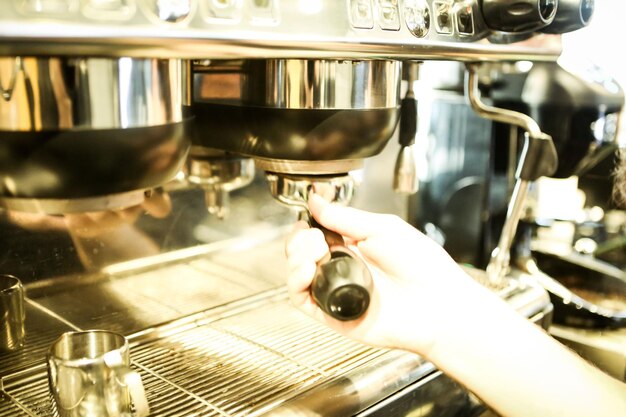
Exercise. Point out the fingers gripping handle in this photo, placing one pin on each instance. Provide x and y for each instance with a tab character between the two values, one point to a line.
342	284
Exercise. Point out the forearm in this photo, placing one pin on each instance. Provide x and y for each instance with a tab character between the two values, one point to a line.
518	369
428	305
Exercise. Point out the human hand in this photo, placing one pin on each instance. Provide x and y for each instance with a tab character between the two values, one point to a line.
417	285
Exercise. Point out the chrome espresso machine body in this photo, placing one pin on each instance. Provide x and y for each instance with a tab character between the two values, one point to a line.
130	131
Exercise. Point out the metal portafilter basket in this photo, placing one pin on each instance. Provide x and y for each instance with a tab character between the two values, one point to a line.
342	284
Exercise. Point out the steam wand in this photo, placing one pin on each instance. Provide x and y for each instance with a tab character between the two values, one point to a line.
405	171
538	158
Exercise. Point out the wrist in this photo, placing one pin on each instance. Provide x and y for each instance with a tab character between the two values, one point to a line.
456	316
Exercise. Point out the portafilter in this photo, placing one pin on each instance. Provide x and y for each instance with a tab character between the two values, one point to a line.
342	284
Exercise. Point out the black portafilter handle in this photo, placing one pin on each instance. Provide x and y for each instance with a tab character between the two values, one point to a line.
342	284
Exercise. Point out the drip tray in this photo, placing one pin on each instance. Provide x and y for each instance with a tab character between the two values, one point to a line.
244	359
212	338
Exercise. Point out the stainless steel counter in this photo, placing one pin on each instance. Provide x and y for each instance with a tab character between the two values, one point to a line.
214	336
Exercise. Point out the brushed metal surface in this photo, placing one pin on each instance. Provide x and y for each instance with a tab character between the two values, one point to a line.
50	93
272	29
321	84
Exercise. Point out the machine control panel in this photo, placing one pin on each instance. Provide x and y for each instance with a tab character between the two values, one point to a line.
417	17
170	10
465	18
198	29
46	7
109	9
224	10
388	14
362	14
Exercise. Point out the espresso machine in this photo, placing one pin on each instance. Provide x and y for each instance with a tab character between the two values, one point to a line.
153	154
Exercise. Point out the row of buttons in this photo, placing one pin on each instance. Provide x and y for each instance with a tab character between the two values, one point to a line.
417	16
98	9
445	12
161	10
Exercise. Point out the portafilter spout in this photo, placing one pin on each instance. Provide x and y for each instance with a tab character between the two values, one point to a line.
218	173
342	284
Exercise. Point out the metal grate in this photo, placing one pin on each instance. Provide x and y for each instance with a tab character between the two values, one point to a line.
41	331
30	390
8	408
291	334
234	375
244	364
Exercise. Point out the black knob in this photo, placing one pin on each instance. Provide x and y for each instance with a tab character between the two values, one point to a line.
571	15
518	16
342	285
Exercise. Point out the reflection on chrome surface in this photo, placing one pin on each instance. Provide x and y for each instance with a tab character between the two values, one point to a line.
12	313
90	374
321	84
88	93
37	246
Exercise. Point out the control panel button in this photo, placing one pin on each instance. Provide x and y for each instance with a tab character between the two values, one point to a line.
388	14
465	19
417	17
221	9
171	11
361	14
264	11
109	9
47	7
443	17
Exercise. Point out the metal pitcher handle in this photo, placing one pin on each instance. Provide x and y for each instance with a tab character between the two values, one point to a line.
132	380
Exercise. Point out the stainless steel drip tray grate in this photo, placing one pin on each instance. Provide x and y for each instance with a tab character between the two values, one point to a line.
234	345
30	395
231	374
242	362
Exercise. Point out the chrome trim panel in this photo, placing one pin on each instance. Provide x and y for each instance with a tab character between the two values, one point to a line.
308	167
186	46
88	93
322	84
73	205
345	29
